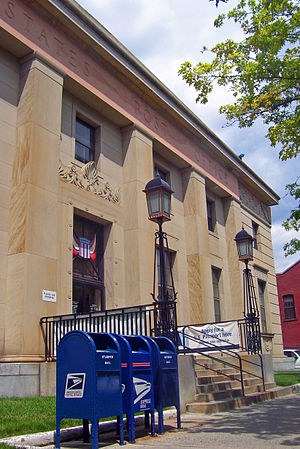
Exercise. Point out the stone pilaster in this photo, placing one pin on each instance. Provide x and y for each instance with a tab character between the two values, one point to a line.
138	231
197	248
33	234
233	224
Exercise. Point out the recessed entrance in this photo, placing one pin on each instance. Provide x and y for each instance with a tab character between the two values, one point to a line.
88	266
87	298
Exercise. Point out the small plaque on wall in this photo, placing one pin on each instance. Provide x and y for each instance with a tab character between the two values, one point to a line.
49	296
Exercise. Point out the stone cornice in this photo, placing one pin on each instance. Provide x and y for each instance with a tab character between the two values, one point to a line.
130	62
73	41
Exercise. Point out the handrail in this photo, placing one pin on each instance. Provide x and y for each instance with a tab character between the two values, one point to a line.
212	347
144	319
126	321
115	311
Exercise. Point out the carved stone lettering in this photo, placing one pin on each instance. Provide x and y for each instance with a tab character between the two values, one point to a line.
73	58
147	115
86	68
88	177
58	46
136	106
52	38
43	37
27	22
9	11
164	129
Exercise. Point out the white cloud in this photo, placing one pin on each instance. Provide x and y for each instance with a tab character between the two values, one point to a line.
279	237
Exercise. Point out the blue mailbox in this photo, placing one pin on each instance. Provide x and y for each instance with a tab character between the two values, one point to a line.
166	391
88	380
137	379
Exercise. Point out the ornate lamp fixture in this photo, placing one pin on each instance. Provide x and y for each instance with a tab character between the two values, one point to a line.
244	244
158	195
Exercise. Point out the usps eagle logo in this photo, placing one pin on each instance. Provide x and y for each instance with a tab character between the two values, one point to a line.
142	388
84	247
74	385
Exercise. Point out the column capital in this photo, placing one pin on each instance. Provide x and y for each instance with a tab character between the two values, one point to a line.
134	130
192	173
36	61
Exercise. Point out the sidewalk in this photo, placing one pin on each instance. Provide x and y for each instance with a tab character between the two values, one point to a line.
269	425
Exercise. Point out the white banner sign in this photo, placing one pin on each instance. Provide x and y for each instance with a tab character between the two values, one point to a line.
206	338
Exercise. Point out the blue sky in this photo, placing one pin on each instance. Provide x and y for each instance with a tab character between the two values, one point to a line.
164	33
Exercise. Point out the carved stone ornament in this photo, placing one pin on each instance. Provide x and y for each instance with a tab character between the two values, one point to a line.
267	344
257	206
88	177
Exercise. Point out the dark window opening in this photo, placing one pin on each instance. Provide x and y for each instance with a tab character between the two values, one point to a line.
216	274
289	307
87	298
254	233
162	173
84	142
88	266
211	215
261	294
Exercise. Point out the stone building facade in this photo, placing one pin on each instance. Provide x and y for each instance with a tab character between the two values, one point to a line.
84	126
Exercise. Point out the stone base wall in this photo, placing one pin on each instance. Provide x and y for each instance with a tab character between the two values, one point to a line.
187	380
283	364
39	379
22	380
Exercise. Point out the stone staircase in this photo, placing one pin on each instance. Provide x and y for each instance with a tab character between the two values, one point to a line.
218	387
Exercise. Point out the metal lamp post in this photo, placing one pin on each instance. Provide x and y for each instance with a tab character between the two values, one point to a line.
158	195
244	243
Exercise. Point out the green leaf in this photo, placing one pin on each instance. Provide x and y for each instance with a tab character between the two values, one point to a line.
262	70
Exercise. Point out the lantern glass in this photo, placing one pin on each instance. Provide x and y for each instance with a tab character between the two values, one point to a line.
244	244
245	250
166	203
158	194
153	200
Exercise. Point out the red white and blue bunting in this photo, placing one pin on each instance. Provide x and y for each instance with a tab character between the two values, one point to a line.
84	247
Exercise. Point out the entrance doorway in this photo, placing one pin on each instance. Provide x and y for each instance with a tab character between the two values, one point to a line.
88	266
87	298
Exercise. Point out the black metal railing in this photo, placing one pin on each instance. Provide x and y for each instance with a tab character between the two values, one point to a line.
136	320
142	320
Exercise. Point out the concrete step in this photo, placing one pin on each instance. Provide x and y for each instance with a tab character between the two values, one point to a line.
232	392
218	395
225	386
217	361
217	386
222	362
230	384
213	378
206	371
235	402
